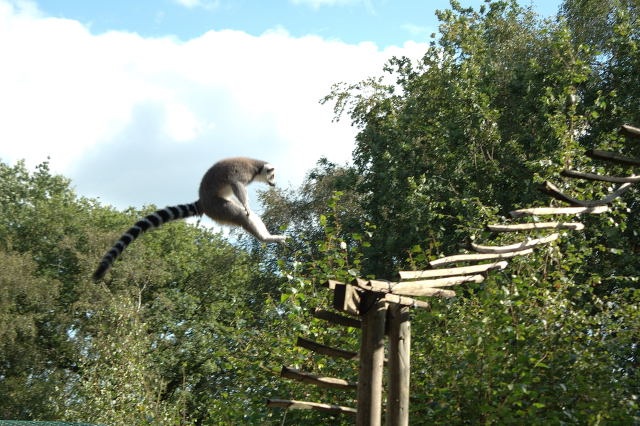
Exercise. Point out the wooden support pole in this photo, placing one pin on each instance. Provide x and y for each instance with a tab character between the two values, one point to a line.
399	365
371	366
305	405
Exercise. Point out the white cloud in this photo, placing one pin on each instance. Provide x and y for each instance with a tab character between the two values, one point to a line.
315	4
136	120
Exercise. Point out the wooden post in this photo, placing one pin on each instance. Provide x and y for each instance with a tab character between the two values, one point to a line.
371	366
399	365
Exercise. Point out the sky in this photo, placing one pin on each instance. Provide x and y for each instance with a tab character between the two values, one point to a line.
135	100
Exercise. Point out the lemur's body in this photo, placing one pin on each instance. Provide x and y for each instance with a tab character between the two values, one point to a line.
225	179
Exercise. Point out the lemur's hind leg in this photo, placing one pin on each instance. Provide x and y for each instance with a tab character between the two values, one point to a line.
230	212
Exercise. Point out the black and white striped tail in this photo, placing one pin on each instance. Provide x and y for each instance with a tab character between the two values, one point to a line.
153	220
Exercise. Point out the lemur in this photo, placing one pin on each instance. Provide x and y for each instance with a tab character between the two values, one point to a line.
224	179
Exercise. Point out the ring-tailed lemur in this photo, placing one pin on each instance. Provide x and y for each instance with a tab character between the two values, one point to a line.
224	179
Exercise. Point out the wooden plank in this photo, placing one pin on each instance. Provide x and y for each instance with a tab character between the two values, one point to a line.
575	226
475	257
306	405
553	190
315	379
406	301
346	298
334	318
431	287
464	270
602	178
543	211
399	325
612	157
515	247
631	131
319	348
369	410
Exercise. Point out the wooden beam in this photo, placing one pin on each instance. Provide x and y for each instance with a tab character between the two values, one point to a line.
430	287
369	410
334	318
515	247
346	298
555	192
464	270
543	211
475	257
591	176
326	350
399	325
575	226
305	405
406	301
315	379
631	131
612	157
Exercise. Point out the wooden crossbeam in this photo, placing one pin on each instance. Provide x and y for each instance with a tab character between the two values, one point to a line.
407	301
317	380
515	247
631	131
334	318
326	350
553	190
544	211
476	257
306	405
448	272
612	157
431	287
602	178
575	226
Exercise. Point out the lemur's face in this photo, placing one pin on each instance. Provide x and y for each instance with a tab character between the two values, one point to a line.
268	174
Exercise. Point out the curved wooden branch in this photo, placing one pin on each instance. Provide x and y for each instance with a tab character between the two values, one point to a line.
631	131
591	176
515	247
464	270
552	190
535	211
575	226
475	257
305	405
613	157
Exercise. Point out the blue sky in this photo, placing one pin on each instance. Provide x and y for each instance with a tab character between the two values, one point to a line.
134	100
385	22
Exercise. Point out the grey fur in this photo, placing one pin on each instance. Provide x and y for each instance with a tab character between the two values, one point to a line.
224	180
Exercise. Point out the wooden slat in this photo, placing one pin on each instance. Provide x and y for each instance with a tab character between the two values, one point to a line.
536	225
448	272
306	405
334	318
553	190
544	211
317	380
631	131
432	287
326	350
475	257
406	301
601	178
612	157
515	247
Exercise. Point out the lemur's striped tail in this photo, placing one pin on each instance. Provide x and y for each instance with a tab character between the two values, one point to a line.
153	220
